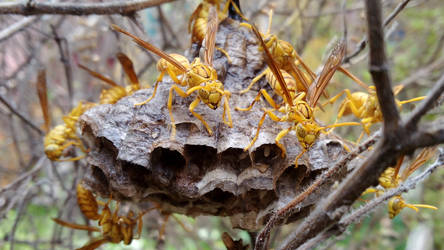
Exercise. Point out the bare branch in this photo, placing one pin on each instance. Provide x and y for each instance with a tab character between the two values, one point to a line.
359	213
379	67
363	43
78	9
22	117
16	27
426	105
64	53
21	178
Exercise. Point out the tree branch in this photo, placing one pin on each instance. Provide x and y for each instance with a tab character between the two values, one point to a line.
16	27
426	105
78	9
22	117
379	68
290	208
363	43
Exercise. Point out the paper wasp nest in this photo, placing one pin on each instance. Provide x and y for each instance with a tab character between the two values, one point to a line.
133	157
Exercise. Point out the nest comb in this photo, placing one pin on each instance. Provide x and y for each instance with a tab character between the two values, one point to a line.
132	157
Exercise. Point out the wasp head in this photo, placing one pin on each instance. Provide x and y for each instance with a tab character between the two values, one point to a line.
212	93
307	133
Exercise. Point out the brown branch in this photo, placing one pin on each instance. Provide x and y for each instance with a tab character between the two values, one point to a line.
364	210
400	141
22	117
291	207
363	43
426	105
379	68
78	9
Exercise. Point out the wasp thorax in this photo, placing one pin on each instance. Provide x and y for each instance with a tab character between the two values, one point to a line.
305	110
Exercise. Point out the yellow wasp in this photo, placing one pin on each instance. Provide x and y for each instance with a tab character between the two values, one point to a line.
365	106
198	23
285	57
294	109
64	135
117	92
199	77
113	227
391	179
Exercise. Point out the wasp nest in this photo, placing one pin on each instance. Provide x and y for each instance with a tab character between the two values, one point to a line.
133	158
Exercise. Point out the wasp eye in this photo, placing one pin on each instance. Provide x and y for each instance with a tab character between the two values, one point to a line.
203	94
301	131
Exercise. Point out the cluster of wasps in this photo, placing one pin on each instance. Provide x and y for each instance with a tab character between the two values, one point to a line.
391	178
289	77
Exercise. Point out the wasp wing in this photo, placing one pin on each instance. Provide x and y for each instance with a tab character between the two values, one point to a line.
272	65
333	62
151	48
128	67
43	97
210	36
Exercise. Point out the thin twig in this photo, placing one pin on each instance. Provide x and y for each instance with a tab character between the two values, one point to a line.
308	32
64	58
423	72
363	43
21	178
426	105
16	27
15	141
78	9
22	117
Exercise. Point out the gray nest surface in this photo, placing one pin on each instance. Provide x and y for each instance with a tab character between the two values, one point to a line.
132	157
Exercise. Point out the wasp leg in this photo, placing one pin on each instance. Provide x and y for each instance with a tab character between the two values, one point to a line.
151	97
193	105
163	226
181	224
76	226
412	100
267	97
226	54
298	157
257	131
256	79
281	134
353	77
174	77
227	110
94	244
180	92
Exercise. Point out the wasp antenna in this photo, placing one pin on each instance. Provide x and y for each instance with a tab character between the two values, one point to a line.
98	75
150	47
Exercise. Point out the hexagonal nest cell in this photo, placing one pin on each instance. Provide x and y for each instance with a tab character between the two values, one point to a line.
133	158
